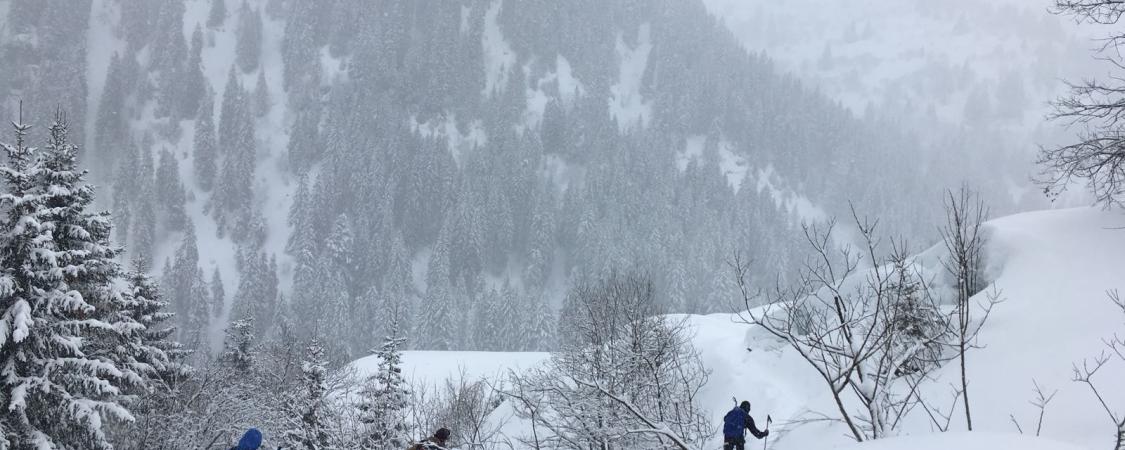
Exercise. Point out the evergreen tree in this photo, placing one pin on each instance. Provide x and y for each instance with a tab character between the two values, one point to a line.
542	326
239	353
262	101
152	344
916	323
335	308
112	142
397	305
384	398
145	209
249	48
170	191
124	191
486	321
510	320
434	325
218	14
257	291
60	312
169	56
206	149
188	294
499	228
218	294
231	112
233	197
194	84
304	145
144	228
309	426
302	241
541	247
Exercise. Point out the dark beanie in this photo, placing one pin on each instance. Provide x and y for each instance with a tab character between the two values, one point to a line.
442	433
745	405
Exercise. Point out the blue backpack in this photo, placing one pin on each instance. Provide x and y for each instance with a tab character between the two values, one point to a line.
252	440
734	423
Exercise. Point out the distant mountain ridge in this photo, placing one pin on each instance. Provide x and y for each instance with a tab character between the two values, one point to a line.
336	164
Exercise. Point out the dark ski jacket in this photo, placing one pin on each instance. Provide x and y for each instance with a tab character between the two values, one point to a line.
737	421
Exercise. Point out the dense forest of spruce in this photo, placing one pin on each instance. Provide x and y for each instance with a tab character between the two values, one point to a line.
599	137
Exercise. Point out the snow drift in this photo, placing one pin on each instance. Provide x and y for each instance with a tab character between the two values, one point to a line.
1053	269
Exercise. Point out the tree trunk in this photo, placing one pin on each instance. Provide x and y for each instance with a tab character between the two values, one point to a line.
965	388
1120	436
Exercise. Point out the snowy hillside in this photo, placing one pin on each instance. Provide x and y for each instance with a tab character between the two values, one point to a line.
930	53
981	68
472	156
1053	269
963	441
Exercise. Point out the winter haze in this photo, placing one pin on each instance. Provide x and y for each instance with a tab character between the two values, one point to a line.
549	224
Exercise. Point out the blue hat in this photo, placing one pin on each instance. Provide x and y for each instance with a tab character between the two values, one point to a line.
251	440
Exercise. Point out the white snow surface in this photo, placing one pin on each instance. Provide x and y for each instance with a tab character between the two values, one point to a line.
498	54
963	441
1053	269
626	104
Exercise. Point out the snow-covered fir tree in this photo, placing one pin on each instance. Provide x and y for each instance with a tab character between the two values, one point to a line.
170	191
249	47
257	291
385	397
262	99
188	295
918	326
205	165
218	293
63	316
238	346
433	326
144	206
194	82
232	202
308	425
153	344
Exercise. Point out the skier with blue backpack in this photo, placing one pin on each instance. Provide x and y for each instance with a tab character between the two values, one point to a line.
735	424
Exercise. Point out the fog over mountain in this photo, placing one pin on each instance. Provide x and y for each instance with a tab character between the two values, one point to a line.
433	157
602	201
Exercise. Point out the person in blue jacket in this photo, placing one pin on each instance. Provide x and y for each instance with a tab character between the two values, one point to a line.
252	440
735	424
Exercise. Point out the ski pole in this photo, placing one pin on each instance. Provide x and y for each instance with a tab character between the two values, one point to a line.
766	443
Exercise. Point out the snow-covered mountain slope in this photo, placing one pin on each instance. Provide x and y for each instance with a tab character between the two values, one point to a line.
985	68
1053	269
335	147
925	52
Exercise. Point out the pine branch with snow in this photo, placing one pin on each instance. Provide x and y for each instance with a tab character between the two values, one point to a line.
67	339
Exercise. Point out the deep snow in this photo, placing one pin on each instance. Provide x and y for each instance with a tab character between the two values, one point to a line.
1053	269
963	441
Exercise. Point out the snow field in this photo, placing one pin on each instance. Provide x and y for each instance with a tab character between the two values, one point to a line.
1052	268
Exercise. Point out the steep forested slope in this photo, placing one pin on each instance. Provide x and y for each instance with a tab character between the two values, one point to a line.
455	164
